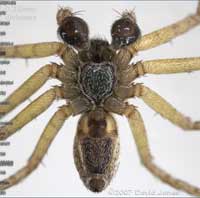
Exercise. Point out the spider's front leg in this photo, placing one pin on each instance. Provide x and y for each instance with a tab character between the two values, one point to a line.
166	34
140	136
42	75
31	111
44	143
36	50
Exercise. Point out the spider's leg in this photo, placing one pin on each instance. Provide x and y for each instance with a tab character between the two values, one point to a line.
162	107
166	34
168	66
35	50
140	136
31	111
159	66
29	87
44	143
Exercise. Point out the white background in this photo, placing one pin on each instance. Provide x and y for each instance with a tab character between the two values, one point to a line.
174	150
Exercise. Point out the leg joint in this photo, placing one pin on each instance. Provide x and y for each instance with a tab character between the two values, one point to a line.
65	111
129	111
132	50
131	73
59	91
53	70
139	67
138	90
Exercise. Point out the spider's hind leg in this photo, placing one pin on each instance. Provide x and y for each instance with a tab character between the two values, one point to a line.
44	143
140	136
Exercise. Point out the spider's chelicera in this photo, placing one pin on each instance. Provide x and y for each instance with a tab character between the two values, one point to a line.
97	79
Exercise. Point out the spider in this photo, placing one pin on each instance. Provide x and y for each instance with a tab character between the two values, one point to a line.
97	79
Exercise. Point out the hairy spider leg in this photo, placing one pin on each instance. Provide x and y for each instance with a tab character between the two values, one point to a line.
162	35
29	87
168	33
36	50
31	111
161	106
152	99
140	136
41	149
159	66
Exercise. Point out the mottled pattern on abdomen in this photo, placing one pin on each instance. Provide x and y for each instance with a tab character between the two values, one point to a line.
97	153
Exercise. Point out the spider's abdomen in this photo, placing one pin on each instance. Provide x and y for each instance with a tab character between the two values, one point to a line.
96	149
97	81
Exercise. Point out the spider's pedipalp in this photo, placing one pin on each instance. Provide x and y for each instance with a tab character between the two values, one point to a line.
125	30
140	136
72	30
166	34
31	111
162	107
36	50
29	87
43	145
63	13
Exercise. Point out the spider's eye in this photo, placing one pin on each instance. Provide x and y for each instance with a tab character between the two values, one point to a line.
124	31
74	31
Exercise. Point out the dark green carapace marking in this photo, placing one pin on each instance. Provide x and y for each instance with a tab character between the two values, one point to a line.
97	80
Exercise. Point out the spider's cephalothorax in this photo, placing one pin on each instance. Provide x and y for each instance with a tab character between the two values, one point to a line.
97	79
94	75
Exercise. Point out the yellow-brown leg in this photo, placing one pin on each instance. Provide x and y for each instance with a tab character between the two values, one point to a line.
140	136
29	87
35	50
166	34
159	66
43	145
162	107
169	66
30	112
